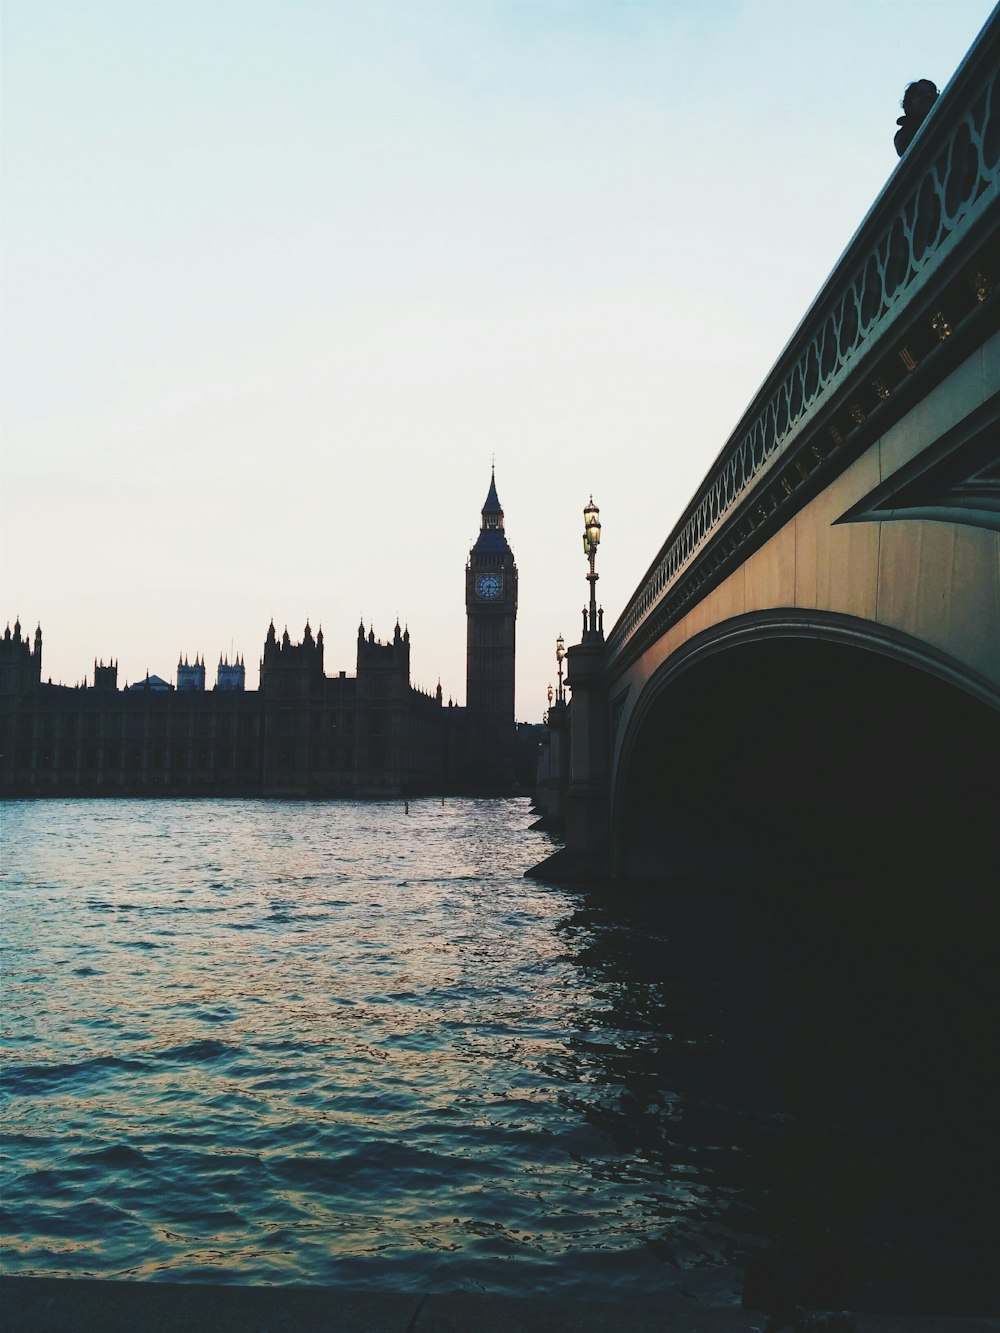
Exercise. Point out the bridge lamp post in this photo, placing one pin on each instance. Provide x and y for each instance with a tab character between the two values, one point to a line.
591	541
560	654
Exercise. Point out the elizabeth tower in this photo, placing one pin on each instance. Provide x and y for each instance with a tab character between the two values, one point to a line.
491	609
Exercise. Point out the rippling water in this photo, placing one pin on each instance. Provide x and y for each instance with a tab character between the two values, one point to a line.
291	1042
270	1042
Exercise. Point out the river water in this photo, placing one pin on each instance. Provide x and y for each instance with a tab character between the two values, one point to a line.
267	1042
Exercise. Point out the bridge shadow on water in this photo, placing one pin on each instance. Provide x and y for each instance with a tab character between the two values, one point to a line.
836	1039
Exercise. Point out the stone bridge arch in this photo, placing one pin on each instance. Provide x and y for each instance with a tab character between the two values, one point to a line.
806	743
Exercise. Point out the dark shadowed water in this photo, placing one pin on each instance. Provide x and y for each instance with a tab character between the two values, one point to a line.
270	1042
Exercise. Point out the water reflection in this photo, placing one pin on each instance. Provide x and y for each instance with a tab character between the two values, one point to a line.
271	1043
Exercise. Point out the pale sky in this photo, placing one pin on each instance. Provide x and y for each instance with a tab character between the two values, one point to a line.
280	279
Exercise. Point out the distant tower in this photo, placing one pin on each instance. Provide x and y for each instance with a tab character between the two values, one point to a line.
381	727
20	665
292	670
105	677
491	610
191	677
231	675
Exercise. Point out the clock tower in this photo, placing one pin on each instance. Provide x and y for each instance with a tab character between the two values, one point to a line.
491	609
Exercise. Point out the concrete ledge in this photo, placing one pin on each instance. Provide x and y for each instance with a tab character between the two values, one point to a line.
74	1305
80	1305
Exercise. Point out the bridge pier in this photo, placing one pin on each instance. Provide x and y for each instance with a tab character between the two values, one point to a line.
553	769
579	787
587	810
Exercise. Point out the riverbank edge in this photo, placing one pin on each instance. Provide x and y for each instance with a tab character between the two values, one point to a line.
86	1305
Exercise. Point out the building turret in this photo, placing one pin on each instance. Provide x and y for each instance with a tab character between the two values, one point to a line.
191	678
230	675
105	677
291	670
386	658
20	664
270	647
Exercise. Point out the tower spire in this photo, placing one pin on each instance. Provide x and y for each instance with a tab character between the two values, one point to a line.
492	509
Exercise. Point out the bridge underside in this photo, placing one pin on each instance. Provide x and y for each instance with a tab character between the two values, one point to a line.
803	756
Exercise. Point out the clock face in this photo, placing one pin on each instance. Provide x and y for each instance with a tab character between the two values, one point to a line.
489	585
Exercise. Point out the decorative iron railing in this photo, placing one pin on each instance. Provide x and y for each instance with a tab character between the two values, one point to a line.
923	262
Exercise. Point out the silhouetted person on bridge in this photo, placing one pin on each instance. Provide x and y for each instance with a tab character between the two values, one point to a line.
918	99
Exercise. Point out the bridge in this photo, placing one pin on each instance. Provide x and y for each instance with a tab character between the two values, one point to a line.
808	674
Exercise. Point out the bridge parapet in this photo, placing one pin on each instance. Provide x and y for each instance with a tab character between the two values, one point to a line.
913	291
